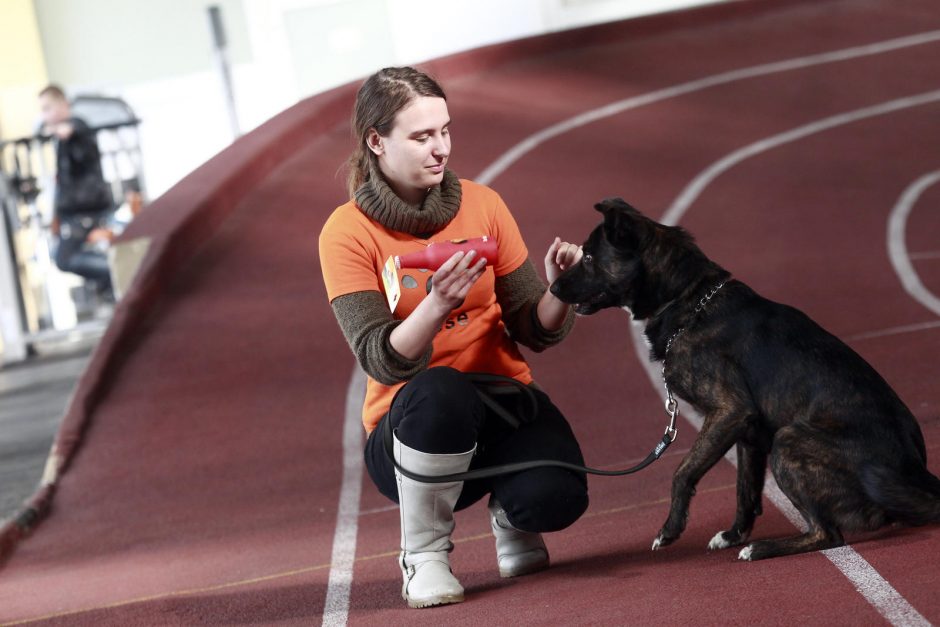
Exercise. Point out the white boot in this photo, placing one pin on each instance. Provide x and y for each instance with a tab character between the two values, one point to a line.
517	552
427	520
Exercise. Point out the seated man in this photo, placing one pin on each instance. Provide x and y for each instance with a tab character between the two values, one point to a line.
83	199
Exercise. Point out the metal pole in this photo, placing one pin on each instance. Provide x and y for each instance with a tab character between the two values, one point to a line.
220	45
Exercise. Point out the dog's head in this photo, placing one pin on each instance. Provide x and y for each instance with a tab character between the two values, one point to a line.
624	263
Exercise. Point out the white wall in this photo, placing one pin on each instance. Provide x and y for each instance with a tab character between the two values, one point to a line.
157	55
462	25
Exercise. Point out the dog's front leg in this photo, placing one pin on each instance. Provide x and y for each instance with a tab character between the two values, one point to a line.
752	466
719	433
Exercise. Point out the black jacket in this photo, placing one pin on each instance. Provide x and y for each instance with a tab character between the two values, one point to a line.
80	184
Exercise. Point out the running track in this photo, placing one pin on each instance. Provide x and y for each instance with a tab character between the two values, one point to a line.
208	484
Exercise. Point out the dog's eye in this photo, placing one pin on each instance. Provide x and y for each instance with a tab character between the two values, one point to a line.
588	259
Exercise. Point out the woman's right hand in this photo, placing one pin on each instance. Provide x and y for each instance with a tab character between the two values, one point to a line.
453	280
451	284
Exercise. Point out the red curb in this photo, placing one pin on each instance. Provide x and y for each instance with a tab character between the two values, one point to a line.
25	520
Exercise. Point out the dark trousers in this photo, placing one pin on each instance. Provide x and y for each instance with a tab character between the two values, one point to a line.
71	255
439	411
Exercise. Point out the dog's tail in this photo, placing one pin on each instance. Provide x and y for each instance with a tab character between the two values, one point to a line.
909	497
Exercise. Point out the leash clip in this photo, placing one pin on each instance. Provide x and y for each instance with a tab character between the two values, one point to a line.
672	433
672	409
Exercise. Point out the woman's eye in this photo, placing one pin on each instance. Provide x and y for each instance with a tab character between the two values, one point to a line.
421	140
445	132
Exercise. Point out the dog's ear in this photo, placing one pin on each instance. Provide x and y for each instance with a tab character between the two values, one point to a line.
625	227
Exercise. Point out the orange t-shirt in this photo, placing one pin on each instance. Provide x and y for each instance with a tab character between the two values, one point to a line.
353	252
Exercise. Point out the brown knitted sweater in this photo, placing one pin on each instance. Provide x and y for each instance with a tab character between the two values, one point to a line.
364	316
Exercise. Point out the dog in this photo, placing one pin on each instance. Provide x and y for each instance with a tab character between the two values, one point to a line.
767	379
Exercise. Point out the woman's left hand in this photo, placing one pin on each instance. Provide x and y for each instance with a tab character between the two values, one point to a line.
561	256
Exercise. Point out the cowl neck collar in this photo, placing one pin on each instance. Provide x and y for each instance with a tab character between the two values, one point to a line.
378	201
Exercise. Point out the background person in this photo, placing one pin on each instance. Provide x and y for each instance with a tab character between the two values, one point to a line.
446	324
83	200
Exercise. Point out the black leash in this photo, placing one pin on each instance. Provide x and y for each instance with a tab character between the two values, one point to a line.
489	385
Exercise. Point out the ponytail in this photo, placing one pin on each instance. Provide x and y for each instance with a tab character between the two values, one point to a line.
359	168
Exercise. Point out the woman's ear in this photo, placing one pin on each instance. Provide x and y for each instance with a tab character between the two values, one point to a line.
374	142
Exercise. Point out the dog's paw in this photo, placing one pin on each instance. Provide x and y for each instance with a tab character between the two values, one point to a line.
725	539
719	542
662	540
746	553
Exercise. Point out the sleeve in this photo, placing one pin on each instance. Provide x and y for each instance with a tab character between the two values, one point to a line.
367	324
82	146
346	264
359	304
518	294
512	250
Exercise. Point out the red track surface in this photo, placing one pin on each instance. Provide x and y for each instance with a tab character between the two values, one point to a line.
206	488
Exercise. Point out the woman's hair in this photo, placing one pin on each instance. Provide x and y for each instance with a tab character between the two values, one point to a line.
379	100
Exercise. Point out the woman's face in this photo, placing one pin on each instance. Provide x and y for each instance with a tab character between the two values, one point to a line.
413	155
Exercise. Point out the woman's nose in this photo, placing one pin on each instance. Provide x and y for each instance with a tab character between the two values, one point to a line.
440	148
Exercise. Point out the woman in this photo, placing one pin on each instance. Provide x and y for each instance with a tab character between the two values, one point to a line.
453	321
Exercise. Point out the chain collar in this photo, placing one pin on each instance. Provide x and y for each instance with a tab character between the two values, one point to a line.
672	405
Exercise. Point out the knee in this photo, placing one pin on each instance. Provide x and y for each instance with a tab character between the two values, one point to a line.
440	383
63	259
551	499
440	391
438	411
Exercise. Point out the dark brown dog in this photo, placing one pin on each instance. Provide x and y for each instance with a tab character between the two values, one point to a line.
767	379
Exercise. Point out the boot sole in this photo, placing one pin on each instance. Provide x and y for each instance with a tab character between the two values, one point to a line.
527	569
442	600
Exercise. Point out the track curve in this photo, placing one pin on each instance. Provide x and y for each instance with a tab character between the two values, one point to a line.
208	486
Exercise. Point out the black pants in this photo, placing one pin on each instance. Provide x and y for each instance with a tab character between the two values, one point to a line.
71	255
439	412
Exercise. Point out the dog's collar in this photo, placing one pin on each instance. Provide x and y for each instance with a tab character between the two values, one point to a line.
698	308
704	300
701	304
672	406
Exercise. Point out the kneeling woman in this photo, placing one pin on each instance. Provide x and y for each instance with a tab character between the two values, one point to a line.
446	324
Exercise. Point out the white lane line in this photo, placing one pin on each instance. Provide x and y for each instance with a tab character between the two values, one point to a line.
530	143
904	328
874	588
378	510
336	607
926	254
897	246
870	584
704	179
